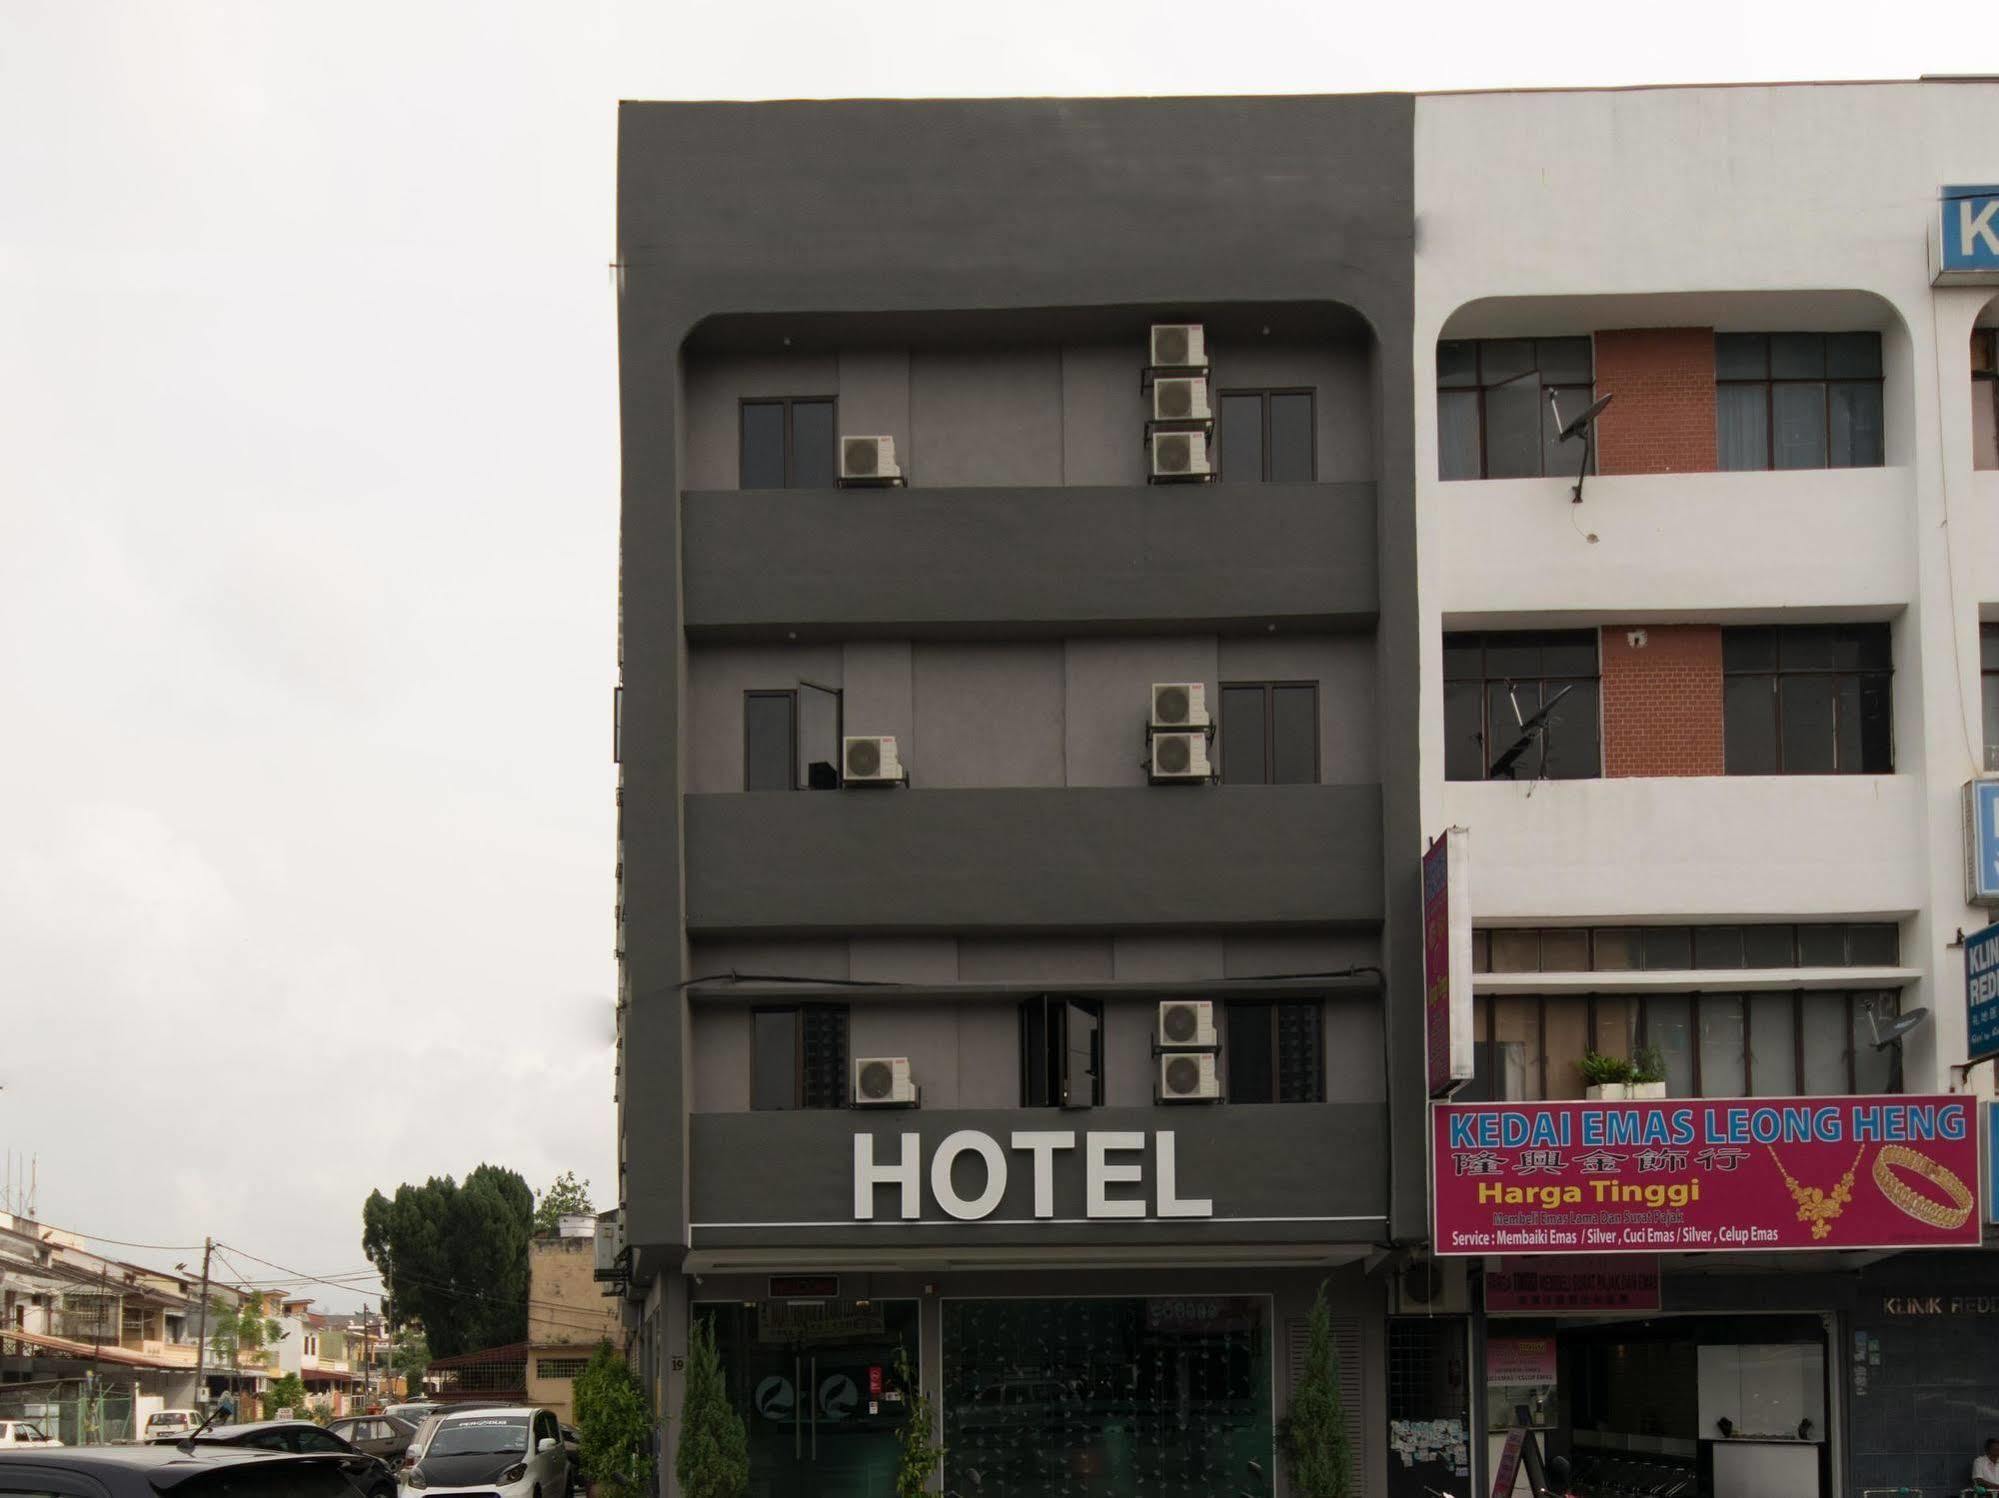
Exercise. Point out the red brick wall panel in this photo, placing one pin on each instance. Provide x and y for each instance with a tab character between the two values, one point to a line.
1663	418
1662	700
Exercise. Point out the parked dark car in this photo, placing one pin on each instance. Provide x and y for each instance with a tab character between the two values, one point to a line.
210	1470
378	1435
372	1476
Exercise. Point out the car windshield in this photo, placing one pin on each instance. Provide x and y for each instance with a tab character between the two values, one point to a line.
26	1432
496	1436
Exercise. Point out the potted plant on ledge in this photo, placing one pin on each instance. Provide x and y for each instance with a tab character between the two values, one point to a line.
1608	1078
1648	1073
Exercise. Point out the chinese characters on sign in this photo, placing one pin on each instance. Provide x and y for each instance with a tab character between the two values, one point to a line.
1832	1173
1582	1283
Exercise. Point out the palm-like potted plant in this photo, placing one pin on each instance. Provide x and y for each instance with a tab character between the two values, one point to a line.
1648	1072
1607	1078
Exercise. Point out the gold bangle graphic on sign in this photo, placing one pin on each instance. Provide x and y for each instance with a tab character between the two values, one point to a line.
1927	1210
1815	1204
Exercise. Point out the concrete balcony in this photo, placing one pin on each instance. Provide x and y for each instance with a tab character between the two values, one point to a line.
1722	848
1032	859
934	563
1688	546
1298	1174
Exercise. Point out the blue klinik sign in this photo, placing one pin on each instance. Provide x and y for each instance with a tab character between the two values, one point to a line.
1981	994
1964	236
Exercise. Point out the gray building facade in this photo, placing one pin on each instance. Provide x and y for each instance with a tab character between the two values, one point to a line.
1109	1296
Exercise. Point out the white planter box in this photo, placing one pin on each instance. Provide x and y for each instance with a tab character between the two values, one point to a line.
1608	1092
1648	1089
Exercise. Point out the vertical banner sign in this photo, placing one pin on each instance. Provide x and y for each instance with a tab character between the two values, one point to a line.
1981	994
1981	842
1506	1470
1992	1161
1447	961
1964	236
1706	1177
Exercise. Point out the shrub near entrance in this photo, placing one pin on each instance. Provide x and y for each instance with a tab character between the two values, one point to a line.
613	1424
713	1460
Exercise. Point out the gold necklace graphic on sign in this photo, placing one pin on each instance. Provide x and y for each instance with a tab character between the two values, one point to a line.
1815	1204
1928	1210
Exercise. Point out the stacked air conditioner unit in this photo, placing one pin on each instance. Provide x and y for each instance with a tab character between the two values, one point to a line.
1184	1046
1180	430
1177	734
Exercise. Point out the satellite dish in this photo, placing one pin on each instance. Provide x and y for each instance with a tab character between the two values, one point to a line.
1502	768
1581	424
1897	1027
1584	426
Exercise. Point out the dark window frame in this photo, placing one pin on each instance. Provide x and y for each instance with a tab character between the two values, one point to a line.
801	1063
1263	393
791	695
1482	389
1778	673
1276	1007
1269	690
790	441
1988	688
1052	1065
1600	1036
1852	935
1488	750
1985	387
1769	382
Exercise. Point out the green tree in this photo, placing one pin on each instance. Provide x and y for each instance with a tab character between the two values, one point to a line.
409	1355
566	1197
455	1257
238	1329
713	1460
614	1423
286	1393
921	1455
1316	1428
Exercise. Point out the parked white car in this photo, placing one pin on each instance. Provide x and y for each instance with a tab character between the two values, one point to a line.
514	1451
16	1433
169	1425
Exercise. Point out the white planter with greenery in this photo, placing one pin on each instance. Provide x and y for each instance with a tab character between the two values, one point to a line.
1608	1092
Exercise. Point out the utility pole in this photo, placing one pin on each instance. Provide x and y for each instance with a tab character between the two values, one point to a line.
201	1330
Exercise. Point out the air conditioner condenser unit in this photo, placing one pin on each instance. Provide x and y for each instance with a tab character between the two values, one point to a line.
1186	1024
868	460
883	1082
1179	345
1180	398
1179	757
869	759
1179	704
1181	456
1189	1077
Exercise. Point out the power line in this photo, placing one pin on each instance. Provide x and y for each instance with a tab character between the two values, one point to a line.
163	1248
554	1311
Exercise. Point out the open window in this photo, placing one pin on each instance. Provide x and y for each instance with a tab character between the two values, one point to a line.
1061	1053
791	738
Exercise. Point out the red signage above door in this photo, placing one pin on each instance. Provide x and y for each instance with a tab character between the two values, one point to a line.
1716	1176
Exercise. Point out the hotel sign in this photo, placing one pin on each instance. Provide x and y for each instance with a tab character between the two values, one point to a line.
1705	1177
1964	236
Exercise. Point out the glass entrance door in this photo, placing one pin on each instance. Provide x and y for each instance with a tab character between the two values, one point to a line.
815	1384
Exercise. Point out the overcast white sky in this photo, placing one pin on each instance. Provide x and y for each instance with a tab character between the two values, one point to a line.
308	507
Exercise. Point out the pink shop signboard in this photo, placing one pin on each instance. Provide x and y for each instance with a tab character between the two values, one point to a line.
1710	1176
